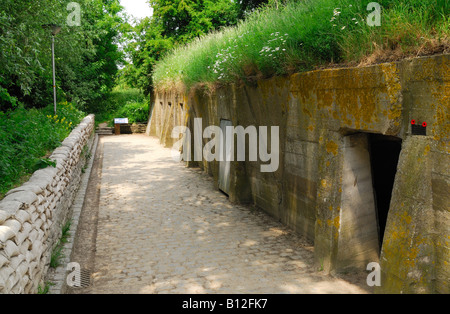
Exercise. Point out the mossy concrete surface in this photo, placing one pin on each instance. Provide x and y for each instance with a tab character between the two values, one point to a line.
315	112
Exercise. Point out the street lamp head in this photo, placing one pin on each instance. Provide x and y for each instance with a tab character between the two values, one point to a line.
55	29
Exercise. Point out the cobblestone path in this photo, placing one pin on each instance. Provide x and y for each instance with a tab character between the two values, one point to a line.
164	228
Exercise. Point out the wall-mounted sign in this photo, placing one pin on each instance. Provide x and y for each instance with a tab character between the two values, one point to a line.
418	129
121	121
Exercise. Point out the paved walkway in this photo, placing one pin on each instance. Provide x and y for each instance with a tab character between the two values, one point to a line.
163	228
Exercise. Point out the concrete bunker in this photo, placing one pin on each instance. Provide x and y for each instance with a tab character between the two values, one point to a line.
326	118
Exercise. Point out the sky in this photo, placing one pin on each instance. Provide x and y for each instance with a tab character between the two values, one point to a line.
137	8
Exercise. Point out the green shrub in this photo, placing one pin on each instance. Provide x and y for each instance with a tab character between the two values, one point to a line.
134	111
124	102
118	98
27	137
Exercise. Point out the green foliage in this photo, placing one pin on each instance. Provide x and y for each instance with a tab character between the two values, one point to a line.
134	111
176	22
65	231
43	163
46	288
124	102
280	39
86	55
122	96
57	252
146	47
409	28
87	59
94	78
27	137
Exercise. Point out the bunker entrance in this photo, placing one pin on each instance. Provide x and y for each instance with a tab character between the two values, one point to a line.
369	168
384	156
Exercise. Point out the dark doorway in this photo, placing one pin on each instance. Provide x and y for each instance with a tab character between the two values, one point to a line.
384	154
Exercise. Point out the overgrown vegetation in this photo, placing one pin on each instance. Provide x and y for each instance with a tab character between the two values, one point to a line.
125	102
307	34
27	138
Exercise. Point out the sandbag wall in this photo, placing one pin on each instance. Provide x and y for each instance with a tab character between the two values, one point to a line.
32	215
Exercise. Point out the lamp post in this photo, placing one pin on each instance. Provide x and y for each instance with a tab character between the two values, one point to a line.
55	29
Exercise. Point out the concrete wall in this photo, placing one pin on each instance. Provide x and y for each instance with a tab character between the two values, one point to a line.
317	112
134	128
32	216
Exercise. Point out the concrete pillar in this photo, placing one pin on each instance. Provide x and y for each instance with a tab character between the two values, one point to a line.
408	252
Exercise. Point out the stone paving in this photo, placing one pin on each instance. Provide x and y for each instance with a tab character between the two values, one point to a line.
165	229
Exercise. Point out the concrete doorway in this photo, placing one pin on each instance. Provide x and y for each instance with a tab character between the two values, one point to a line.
369	168
384	154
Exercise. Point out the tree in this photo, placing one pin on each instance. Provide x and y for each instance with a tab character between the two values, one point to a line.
94	75
247	6
86	55
174	22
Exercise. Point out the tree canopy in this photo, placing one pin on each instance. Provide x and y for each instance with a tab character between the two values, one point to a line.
87	55
176	22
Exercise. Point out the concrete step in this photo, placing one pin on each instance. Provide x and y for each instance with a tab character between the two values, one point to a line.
104	131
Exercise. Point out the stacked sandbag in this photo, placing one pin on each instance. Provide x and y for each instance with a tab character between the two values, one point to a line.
32	215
